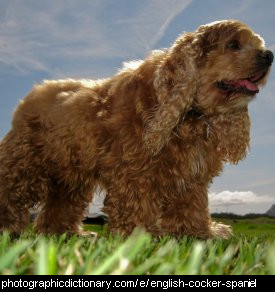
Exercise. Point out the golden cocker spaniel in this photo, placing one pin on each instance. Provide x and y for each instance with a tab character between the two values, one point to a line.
153	136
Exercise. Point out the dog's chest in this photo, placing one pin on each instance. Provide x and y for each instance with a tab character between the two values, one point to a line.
194	150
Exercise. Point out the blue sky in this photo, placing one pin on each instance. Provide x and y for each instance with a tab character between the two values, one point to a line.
91	38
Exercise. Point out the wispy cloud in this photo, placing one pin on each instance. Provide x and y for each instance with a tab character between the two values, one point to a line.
262	182
244	7
11	54
153	20
52	35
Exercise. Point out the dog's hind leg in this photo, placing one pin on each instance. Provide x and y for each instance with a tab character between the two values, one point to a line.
63	209
22	182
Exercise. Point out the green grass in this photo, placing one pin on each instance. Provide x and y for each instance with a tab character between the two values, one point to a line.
254	227
250	251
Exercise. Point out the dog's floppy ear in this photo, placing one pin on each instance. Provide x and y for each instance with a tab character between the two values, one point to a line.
176	81
233	131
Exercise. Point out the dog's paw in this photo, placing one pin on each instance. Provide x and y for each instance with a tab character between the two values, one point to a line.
87	234
220	230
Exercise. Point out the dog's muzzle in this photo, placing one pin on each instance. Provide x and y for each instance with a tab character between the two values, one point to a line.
265	58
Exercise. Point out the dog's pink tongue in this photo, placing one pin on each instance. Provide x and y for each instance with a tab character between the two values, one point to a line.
247	84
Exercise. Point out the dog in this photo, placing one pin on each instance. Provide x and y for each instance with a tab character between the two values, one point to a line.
153	136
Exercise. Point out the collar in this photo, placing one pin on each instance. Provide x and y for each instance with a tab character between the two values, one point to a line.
195	113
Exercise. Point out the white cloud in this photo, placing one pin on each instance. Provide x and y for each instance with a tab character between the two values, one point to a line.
239	202
52	36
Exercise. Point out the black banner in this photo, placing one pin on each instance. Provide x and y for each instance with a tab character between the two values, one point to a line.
140	282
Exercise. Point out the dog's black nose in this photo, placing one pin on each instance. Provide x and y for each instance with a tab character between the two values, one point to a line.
266	57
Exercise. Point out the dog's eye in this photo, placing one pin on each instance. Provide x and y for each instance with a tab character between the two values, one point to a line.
234	45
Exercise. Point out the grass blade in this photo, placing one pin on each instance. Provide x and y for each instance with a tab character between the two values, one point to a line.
7	259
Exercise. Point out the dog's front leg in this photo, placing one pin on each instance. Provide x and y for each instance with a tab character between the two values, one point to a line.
187	213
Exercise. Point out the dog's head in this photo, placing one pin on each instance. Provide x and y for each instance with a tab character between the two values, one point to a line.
233	65
216	69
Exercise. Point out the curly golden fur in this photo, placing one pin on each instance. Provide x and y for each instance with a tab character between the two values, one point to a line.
153	136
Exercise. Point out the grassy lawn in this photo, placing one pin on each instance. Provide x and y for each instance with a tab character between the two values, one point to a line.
253	227
250	251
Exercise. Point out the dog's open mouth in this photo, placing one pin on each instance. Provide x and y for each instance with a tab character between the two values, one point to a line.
247	86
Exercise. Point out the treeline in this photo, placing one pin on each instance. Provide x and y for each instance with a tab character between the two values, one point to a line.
235	216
